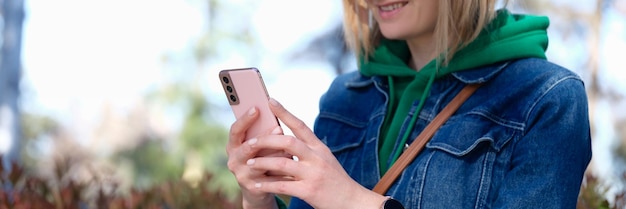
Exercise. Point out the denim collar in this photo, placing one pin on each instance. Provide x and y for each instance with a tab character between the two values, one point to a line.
481	74
477	75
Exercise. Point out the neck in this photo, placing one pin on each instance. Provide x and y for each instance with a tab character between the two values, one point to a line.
422	52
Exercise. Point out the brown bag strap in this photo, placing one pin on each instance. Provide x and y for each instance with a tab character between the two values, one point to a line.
418	144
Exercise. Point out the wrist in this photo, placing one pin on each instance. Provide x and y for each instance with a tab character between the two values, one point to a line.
267	203
372	200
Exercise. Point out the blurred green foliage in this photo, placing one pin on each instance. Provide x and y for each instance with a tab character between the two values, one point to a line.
201	140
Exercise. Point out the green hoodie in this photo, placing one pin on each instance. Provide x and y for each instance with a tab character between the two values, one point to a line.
507	37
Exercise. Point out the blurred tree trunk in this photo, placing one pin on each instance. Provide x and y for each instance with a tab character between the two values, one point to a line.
10	75
593	42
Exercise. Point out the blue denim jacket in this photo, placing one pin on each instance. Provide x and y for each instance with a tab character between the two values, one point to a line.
521	141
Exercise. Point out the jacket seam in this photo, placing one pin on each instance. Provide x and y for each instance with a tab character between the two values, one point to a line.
543	95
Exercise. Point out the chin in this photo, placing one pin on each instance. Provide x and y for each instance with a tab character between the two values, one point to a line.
394	36
394	32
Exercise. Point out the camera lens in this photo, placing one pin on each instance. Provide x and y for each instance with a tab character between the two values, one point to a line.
225	79
229	89
233	98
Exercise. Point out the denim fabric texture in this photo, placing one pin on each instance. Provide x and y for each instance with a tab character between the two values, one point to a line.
521	141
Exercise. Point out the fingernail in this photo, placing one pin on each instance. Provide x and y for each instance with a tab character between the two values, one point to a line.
252	141
250	162
274	102
257	185
252	111
277	130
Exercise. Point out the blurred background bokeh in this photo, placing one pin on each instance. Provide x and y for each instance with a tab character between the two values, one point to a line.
117	103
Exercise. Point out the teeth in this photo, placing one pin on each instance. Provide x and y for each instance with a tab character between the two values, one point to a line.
391	7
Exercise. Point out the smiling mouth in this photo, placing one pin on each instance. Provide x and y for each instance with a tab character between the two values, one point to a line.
392	7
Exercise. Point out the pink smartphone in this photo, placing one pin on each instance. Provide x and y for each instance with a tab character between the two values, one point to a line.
244	89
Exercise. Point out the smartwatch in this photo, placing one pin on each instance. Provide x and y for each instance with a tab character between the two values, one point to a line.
391	203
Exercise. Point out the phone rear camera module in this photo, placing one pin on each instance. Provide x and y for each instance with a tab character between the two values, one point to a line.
233	98
225	79
229	89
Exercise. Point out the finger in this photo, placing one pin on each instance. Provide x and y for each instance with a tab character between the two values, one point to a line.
277	131
238	129
269	152
238	156
285	167
267	178
297	126
246	174
290	188
268	183
256	184
251	148
288	144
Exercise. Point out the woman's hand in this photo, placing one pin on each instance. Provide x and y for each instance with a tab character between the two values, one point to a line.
238	155
315	177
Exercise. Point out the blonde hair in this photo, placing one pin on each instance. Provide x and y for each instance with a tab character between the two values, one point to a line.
458	24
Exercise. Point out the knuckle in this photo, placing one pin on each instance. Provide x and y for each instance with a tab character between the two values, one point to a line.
231	165
247	150
326	149
248	187
240	178
282	164
281	188
234	129
290	141
229	150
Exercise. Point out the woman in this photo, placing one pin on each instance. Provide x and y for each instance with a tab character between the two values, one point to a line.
522	140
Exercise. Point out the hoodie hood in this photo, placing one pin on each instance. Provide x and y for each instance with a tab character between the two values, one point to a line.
526	34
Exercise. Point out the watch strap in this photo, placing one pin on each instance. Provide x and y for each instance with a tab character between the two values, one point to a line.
391	203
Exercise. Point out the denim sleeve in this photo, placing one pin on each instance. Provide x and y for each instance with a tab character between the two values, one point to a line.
549	161
297	203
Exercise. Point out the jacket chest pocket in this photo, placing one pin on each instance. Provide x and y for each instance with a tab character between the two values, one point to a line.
457	165
347	140
461	136
342	136
339	133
